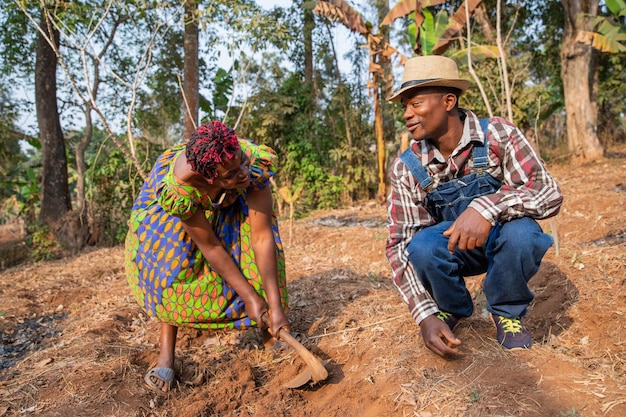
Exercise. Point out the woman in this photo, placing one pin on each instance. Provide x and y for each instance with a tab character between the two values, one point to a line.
203	248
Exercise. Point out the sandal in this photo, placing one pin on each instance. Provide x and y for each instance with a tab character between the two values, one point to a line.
166	375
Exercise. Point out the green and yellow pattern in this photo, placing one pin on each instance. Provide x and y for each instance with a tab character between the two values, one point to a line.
166	271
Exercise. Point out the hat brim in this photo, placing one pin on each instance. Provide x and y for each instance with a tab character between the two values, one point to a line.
460	84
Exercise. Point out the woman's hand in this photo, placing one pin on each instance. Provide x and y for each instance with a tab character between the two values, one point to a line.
256	307
278	320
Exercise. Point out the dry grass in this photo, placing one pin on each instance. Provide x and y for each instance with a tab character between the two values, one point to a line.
85	344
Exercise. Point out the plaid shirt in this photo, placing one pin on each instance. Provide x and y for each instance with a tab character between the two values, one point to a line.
527	190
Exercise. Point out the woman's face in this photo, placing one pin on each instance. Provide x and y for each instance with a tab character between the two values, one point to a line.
234	172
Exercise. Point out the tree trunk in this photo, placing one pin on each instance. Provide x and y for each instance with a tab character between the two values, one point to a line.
381	193
308	26
55	200
342	94
577	70
191	83
384	117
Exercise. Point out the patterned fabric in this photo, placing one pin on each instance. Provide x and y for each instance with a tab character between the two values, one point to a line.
527	190
168	274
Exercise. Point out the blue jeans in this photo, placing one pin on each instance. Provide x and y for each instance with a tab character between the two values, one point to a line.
511	256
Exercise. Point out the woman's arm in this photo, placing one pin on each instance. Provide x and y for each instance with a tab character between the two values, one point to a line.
264	246
201	232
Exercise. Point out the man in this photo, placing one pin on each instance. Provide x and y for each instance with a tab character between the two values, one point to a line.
464	200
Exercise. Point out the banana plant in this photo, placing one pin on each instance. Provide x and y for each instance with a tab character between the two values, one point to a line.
427	27
608	34
340	11
290	197
442	31
433	28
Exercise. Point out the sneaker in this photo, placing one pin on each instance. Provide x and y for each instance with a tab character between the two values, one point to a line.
511	333
450	319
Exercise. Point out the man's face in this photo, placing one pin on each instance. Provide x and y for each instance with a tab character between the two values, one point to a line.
425	113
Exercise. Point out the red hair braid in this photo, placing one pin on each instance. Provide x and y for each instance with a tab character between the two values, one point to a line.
211	144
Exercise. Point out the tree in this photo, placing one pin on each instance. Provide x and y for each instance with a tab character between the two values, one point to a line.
55	201
578	71
191	82
609	39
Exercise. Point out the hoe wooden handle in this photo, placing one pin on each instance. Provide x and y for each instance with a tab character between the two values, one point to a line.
318	372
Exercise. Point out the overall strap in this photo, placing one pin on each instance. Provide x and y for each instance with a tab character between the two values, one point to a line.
419	172
480	152
415	166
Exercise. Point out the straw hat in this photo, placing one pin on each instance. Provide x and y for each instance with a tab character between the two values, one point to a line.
429	71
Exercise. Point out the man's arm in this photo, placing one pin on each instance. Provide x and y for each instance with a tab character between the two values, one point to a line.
528	189
406	216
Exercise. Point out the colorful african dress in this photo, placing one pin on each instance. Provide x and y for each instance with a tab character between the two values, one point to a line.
168	275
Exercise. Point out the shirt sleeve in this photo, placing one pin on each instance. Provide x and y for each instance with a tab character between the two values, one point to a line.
528	189
180	200
263	162
406	216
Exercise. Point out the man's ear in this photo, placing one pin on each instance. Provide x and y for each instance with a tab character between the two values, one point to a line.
451	100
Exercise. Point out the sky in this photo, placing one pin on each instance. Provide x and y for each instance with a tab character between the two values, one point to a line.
339	31
268	4
28	120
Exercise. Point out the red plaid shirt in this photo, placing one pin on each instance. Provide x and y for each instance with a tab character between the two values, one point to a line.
527	190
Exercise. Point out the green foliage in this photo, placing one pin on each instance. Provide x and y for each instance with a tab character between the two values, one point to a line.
356	166
222	92
330	195
617	7
570	413
159	111
474	395
611	93
300	158
16	39
11	155
112	185
42	242
608	32
431	30
309	137
321	132
479	53
23	183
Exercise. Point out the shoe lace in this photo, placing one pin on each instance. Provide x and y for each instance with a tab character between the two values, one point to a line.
510	325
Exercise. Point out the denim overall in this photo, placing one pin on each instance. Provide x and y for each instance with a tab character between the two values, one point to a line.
510	257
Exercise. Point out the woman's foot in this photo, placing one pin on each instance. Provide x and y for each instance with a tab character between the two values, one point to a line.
160	379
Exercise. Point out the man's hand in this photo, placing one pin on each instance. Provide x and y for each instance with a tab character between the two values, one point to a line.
439	338
469	231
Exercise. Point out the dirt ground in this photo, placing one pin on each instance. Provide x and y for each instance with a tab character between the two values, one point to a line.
74	342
